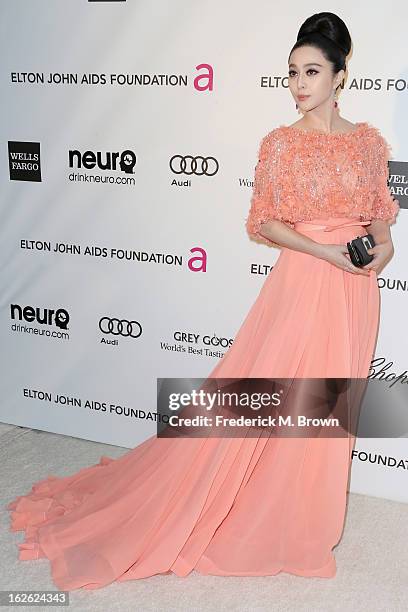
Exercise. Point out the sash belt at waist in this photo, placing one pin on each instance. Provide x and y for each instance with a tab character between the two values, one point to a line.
327	227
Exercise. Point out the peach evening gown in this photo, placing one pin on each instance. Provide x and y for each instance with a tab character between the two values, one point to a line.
241	506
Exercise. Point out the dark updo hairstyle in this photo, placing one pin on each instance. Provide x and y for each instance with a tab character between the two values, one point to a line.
329	33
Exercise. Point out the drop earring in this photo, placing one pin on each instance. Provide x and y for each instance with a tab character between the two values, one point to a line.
336	106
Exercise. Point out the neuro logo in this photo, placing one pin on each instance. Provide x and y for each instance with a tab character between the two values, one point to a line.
198	165
24	161
44	316
124	161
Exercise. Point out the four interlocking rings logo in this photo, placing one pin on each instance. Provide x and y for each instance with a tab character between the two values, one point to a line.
198	165
120	327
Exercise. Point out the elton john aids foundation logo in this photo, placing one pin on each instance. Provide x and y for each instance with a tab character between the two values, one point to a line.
24	161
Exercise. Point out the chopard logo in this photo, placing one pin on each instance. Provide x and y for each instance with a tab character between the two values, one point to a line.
198	165
120	327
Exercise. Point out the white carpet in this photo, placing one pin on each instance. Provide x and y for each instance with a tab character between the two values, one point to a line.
372	557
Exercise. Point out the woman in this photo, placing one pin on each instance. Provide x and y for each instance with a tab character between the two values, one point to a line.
251	505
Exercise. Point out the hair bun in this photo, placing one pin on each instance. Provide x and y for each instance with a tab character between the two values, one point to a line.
334	41
330	27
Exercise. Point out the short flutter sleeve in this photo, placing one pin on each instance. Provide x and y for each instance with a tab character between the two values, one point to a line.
262	208
385	206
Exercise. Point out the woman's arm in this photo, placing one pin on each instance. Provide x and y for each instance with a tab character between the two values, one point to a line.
385	207
380	230
281	234
336	254
383	250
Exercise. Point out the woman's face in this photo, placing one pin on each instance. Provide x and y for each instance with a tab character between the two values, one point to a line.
310	74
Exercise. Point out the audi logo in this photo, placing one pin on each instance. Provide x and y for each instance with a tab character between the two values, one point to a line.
187	164
120	327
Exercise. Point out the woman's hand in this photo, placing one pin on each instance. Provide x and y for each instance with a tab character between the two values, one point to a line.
338	255
383	252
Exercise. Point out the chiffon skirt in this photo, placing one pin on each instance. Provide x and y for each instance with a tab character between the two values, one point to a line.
226	506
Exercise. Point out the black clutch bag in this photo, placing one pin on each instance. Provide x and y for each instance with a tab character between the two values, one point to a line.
358	250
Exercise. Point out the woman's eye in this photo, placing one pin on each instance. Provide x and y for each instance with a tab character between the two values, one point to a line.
292	72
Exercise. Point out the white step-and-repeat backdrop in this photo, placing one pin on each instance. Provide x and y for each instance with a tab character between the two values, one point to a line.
130	133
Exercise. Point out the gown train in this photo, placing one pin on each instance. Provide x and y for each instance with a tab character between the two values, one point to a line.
225	506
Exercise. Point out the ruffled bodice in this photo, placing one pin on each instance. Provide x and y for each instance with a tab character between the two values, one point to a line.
302	175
